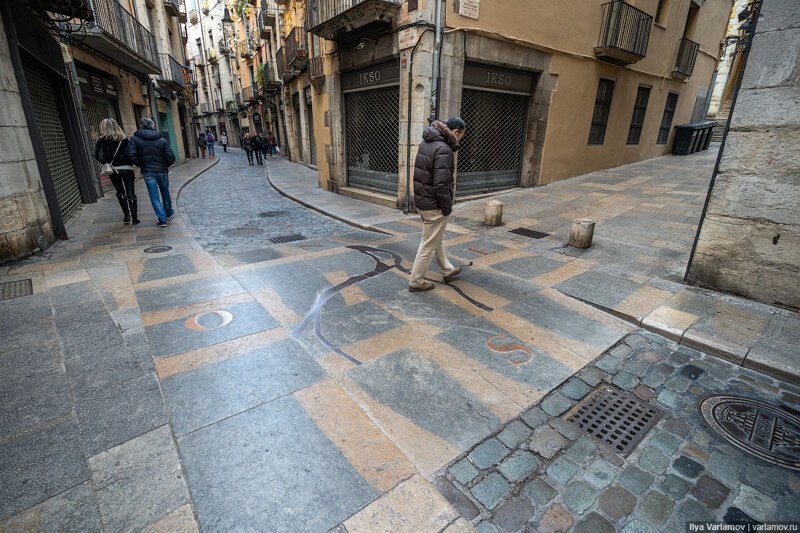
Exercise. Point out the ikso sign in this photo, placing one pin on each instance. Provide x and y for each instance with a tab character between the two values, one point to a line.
377	75
502	79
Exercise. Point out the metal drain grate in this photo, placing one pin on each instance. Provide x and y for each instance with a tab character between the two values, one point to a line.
288	238
271	214
157	249
615	419
16	289
533	234
246	231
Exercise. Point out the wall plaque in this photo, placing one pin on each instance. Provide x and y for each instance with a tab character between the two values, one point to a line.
469	8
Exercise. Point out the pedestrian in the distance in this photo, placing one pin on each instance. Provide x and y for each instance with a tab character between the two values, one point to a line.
111	150
264	145
210	139
153	155
223	139
201	144
257	144
273	145
247	146
433	197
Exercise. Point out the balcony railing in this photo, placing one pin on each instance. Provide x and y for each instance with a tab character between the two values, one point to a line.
213	57
117	34
200	60
271	81
316	73
687	55
219	104
297	48
624	34
244	50
171	72
194	16
205	108
284	70
269	13
248	94
224	47
364	18
175	8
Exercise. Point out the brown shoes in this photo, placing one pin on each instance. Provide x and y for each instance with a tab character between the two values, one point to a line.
424	286
451	274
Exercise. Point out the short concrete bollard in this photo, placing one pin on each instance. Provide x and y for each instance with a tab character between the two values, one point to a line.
493	215
580	236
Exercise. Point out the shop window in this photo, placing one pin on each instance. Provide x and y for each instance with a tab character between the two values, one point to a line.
602	107
639	111
666	120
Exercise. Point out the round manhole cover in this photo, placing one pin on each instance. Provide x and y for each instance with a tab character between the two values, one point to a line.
756	427
157	249
271	214
246	231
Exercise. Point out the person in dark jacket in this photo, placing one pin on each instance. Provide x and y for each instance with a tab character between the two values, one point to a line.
433	197
201	144
258	144
112	147
247	146
153	155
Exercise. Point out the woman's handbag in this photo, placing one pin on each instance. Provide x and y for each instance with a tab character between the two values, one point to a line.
107	169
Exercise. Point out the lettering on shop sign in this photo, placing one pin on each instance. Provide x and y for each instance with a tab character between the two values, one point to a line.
382	74
504	79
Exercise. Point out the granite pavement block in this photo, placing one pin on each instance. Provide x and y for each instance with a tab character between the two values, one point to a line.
239	469
539	491
40	465
600	474
138	481
514	434
488	453
579	496
463	471
72	510
518	466
635	479
491	490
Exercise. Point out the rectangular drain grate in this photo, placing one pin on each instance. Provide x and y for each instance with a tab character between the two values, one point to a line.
614	418
288	238
15	289
533	234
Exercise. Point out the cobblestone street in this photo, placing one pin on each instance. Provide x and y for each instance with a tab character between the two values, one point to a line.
233	383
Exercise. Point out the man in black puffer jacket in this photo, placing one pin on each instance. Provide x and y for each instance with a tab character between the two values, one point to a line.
433	197
152	153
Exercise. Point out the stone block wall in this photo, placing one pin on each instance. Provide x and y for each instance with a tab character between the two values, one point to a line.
749	243
24	217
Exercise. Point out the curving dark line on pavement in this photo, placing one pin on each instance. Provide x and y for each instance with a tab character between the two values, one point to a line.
314	316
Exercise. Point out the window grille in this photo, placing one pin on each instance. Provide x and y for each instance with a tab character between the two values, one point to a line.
666	120
602	107
639	111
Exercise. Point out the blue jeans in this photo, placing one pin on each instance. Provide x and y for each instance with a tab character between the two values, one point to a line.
159	183
210	147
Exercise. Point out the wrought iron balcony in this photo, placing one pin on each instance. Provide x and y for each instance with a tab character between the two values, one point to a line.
219	104
224	48
175	8
297	48
213	57
264	27
244	50
199	61
624	34
248	94
348	21
171	72
687	55
194	16
316	73
269	13
184	34
271	81
205	108
284	69
116	34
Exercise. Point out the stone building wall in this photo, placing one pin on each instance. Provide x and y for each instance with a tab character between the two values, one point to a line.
749	243
24	219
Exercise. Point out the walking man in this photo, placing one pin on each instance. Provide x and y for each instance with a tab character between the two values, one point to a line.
433	197
210	144
201	144
223	139
256	144
153	155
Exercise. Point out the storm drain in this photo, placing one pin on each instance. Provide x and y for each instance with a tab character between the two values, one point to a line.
615	419
16	289
157	249
271	214
532	234
288	238
246	231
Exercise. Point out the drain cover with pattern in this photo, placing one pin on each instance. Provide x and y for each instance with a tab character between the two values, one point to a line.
157	249
16	289
533	234
288	238
614	418
756	427
246	231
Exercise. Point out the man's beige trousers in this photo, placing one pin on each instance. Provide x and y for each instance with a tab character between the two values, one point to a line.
433	226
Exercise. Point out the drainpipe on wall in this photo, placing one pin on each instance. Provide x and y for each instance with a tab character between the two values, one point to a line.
407	202
437	53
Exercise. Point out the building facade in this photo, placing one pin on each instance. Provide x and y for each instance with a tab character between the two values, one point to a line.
547	94
749	240
115	59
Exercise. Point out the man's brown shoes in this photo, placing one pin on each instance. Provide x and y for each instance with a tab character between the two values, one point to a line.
424	286
451	274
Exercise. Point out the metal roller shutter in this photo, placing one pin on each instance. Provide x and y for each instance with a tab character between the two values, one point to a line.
54	140
372	139
490	156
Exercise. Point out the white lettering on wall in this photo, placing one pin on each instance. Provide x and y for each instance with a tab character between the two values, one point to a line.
373	76
497	78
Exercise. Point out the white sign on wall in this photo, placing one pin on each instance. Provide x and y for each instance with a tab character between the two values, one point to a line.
406	38
469	8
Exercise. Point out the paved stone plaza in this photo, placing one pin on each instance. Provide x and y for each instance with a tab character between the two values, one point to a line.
232	383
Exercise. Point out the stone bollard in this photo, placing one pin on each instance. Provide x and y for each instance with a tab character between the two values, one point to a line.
493	215
580	236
